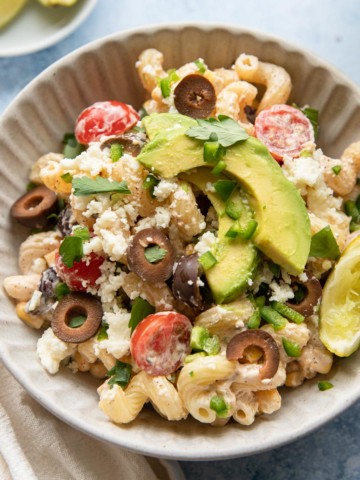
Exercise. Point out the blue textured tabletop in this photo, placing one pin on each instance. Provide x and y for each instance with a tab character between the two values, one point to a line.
328	28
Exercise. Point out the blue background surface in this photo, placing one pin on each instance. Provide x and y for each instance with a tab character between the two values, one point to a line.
328	28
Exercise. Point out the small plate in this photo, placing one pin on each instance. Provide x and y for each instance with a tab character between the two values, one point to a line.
38	27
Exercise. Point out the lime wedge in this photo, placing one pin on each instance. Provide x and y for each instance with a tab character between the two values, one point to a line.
340	305
9	9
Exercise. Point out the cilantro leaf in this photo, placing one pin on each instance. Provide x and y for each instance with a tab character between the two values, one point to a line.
71	250
82	232
61	289
120	374
313	115
77	321
223	130
88	186
140	309
155	254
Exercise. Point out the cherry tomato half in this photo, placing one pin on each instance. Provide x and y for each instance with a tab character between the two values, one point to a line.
82	274
160	342
104	118
284	130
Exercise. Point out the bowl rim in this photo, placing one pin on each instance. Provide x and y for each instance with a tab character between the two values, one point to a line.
154	449
55	37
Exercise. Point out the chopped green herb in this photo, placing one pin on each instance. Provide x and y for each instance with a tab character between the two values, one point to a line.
72	148
82	232
116	152
53	216
324	385
102	333
61	203
140	309
155	254
313	115
227	131
288	312
291	349
212	152
165	87
77	321
61	289
245	233
202	340
275	269
254	320
120	374
323	244
272	317
233	209
207	260
336	169
201	66
224	188
150	183
352	210
219	406
30	186
219	168
260	300
67	177
71	250
191	374
89	186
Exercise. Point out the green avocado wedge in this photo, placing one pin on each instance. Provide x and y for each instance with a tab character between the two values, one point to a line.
237	259
283	232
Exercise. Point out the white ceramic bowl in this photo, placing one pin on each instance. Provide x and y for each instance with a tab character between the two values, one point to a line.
37	27
34	124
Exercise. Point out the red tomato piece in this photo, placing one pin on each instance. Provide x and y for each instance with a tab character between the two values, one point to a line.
160	342
284	130
104	118
82	274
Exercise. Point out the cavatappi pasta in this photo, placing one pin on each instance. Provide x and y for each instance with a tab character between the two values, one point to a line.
120	272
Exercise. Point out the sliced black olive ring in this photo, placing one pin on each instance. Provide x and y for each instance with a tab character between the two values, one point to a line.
33	208
313	292
73	305
260	339
185	281
195	96
159	271
132	143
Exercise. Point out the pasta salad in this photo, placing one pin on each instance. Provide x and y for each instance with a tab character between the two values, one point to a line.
186	254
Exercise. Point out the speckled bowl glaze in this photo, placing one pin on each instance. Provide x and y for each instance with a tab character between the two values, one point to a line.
35	123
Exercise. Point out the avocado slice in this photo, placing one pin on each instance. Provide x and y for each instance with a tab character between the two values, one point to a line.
237	259
283	232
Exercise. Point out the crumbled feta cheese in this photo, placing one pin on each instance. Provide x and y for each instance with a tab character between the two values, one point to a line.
303	171
164	189
303	277
162	217
205	243
118	341
34	301
51	351
281	292
209	187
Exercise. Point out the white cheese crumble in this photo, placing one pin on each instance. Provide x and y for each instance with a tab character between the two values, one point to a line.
303	171
205	243
281	292
118	341
164	189
34	301
51	351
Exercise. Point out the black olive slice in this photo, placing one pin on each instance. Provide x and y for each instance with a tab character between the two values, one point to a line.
132	143
260	339
33	208
153	272
195	96
185	282
76	305
313	292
